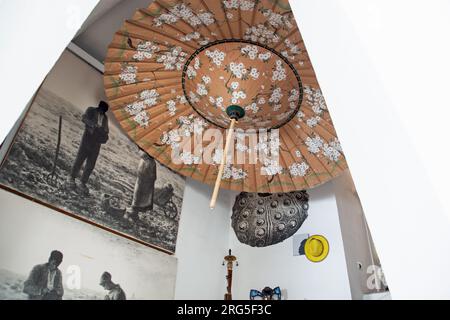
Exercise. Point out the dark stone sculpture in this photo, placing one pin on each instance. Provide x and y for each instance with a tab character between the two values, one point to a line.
261	220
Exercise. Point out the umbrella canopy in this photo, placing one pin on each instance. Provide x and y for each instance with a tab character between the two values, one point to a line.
174	68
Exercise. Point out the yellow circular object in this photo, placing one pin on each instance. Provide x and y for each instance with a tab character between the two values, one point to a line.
316	248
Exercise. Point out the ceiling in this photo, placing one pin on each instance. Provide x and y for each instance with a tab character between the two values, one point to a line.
100	10
98	30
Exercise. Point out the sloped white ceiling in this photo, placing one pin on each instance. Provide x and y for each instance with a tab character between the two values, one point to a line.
100	10
96	36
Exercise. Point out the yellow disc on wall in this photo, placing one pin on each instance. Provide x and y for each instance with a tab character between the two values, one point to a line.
316	248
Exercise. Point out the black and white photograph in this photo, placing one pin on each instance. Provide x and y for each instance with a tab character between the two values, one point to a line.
70	154
67	259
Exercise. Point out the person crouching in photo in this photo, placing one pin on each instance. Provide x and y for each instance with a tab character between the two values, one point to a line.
115	292
45	280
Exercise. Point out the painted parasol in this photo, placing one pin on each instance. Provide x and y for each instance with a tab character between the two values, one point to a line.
176	67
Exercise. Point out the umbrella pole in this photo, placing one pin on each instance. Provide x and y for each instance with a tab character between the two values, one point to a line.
222	164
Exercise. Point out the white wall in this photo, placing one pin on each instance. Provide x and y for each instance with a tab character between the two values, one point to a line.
276	266
34	34
202	243
384	69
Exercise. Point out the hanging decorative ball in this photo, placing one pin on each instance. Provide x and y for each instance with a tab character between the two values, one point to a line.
264	219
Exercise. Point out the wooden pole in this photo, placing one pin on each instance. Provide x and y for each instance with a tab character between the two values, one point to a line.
222	164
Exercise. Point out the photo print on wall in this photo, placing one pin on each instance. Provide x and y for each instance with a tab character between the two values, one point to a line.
59	258
72	156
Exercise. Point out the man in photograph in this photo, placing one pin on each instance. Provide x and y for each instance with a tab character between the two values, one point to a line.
115	292
95	134
45	280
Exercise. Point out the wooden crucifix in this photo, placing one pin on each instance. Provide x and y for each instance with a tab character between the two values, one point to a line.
230	260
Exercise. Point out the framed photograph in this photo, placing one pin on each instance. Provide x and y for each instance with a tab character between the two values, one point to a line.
57	258
71	155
